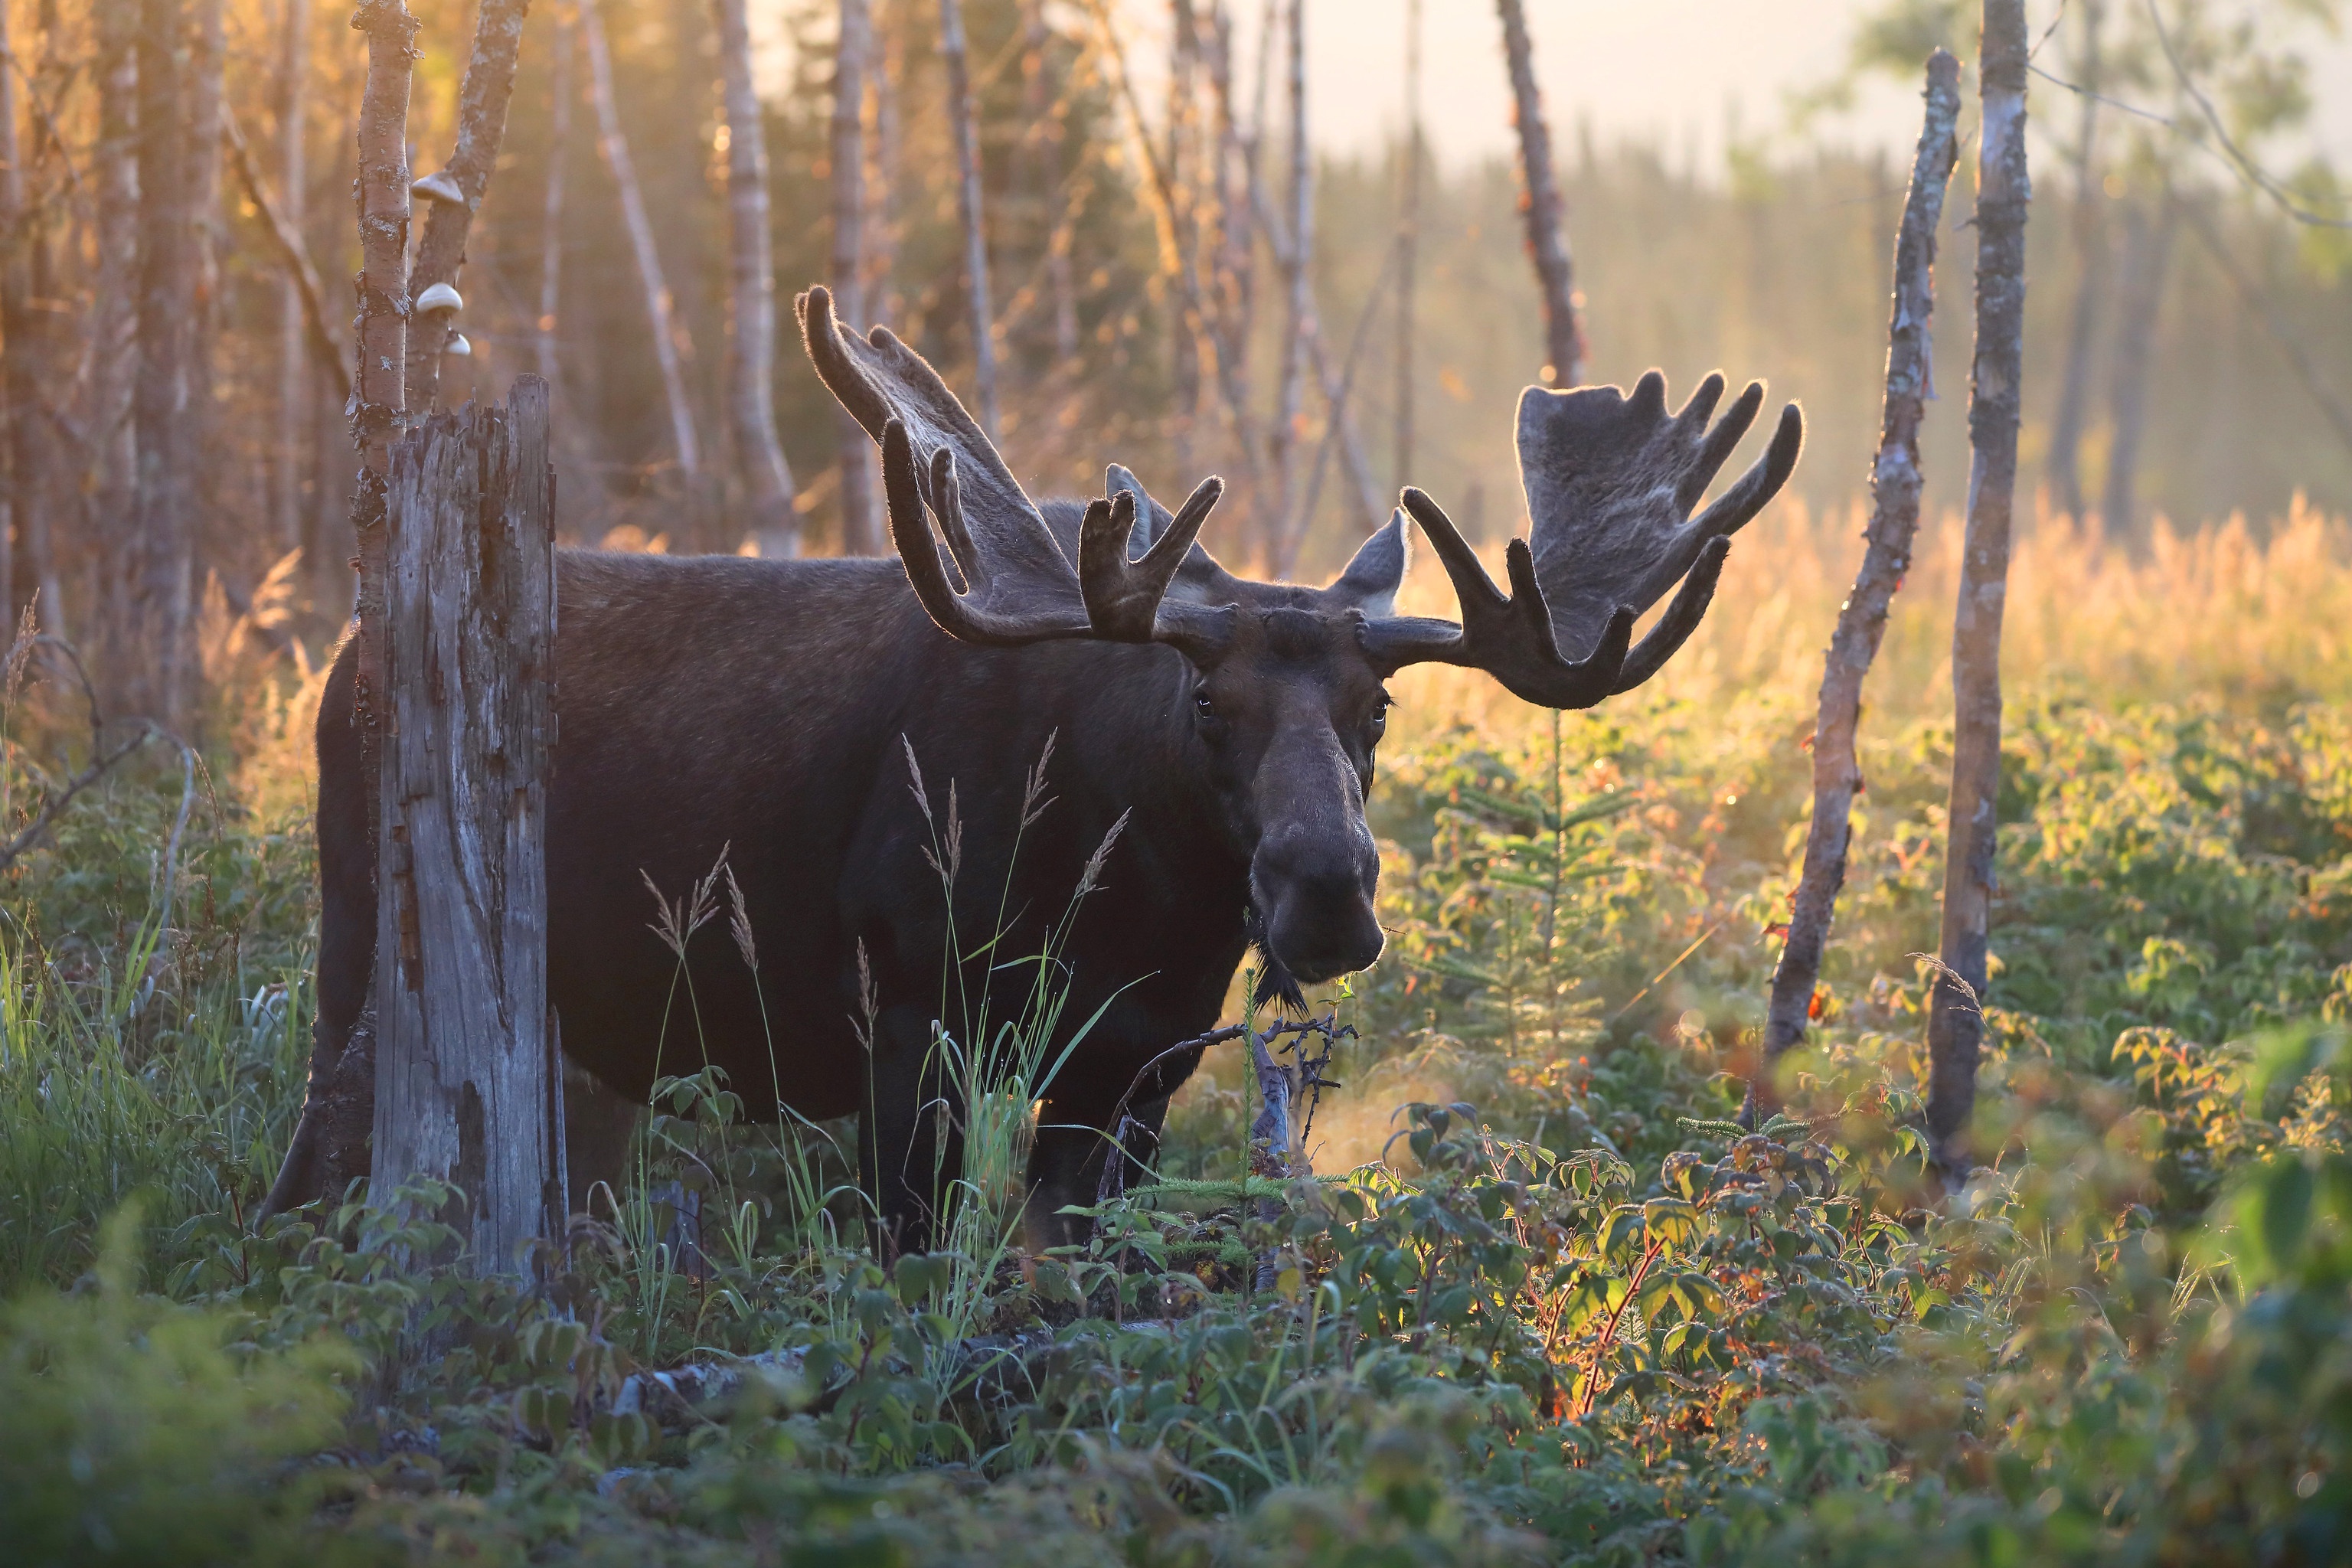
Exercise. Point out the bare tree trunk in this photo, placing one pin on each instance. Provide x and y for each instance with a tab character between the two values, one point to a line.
207	118
2090	251
1542	208
1408	245
1043	140
751	367
668	334
963	119
20	501
861	524
2147	252
1290	398
1184	335
466	1076
1894	482
550	212
330	1147
880	231
112	487
1956	1019
294	405
458	189
152	663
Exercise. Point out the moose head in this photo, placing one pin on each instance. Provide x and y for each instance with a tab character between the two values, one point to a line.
1286	701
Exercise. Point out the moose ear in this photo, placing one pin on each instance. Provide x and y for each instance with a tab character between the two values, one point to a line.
1151	518
1199	580
1371	580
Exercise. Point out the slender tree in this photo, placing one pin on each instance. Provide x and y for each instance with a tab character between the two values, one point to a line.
1408	245
2090	279
111	483
456	190
879	233
1042	144
766	478
963	119
2148	230
861	524
669	334
1290	401
1956	1017
1894	483
294	405
17	389
1184	216
550	206
152	662
1540	206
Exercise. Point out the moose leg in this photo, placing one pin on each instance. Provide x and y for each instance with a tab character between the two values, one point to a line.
1066	1168
908	1152
598	1125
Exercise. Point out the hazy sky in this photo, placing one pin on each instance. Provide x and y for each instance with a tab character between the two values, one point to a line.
1674	71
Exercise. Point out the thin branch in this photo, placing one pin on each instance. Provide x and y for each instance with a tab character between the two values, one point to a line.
294	254
2288	344
2245	166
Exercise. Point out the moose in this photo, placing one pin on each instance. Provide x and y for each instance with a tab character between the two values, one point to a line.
775	710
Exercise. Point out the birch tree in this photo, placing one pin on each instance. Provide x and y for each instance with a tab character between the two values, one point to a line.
1895	484
2067	420
294	405
963	119
766	478
1955	1018
152	662
861	524
1290	409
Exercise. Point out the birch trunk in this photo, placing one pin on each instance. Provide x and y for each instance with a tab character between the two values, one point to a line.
767	479
963	119
18	389
482	99
111	485
1184	208
28	273
330	1147
1408	246
467	1082
294	406
1956	1019
1043	140
669	335
2148	253
1290	396
551	209
861	524
152	660
200	479
881	230
2066	421
1895	482
1541	206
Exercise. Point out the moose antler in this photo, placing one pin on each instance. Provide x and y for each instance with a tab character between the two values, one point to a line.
1018	586
1610	481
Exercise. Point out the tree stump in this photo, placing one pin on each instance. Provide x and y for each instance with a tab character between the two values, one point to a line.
468	1081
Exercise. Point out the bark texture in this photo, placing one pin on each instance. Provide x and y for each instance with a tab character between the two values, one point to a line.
482	100
963	119
1541	206
1956	1017
767	479
467	1083
1408	245
1894	482
861	523
669	336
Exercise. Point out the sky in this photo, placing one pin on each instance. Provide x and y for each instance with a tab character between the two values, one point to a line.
1683	74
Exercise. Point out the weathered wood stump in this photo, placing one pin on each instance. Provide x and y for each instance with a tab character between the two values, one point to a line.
468	1084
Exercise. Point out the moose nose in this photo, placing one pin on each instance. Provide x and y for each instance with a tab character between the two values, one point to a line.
1315	890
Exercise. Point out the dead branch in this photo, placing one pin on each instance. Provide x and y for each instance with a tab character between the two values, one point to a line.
296	258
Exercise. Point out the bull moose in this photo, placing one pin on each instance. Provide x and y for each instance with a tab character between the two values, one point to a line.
774	707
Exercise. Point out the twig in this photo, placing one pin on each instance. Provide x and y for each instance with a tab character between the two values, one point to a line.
2251	297
2245	165
1659	979
1334	421
1609	1332
103	762
294	254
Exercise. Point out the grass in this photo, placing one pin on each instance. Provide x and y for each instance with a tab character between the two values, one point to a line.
1585	1321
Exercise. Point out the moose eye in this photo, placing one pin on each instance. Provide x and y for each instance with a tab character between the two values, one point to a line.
1204	705
1380	715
